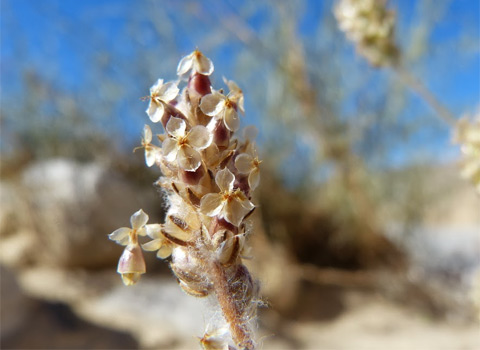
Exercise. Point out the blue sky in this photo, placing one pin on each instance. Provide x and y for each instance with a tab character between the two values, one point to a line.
61	41
50	30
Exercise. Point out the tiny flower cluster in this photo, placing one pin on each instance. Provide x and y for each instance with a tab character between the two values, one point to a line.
467	134
370	26
208	176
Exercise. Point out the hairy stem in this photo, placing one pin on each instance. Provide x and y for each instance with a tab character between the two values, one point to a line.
234	317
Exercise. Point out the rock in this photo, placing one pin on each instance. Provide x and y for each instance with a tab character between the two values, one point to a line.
28	323
15	307
16	250
69	208
155	311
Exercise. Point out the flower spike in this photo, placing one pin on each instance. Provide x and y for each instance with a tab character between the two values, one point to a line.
208	178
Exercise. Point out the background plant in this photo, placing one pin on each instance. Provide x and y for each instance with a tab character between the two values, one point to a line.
351	150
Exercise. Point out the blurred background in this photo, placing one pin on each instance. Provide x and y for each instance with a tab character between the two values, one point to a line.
365	237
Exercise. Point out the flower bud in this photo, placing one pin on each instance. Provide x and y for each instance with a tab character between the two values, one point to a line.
188	270
241	182
198	86
220	224
221	135
243	288
192	178
131	264
229	250
172	111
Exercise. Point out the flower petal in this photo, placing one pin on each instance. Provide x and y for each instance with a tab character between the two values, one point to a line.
234	211
170	149
156	87
241	104
236	94
155	111
185	64
199	137
211	204
243	163
232	85
165	251
141	231
203	65
212	104
254	178
153	230
147	134
138	219
231	119
246	204
121	235
152	106
151	246
150	155
250	133
168	91
188	159
176	127
225	180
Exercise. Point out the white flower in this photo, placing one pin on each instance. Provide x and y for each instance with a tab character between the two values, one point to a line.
248	163
196	61
131	264
160	94
125	235
159	243
183	146
221	107
235	94
151	151
230	204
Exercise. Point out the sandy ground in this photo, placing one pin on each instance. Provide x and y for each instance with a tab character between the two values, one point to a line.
377	324
46	307
158	316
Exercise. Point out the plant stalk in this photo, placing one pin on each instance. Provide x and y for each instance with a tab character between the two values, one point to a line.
233	316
